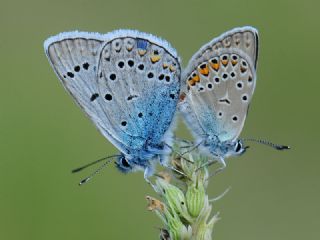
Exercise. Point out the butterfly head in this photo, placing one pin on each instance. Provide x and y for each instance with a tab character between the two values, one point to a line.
236	148
127	164
124	165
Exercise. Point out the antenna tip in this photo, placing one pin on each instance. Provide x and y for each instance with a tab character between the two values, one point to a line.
282	147
84	181
76	170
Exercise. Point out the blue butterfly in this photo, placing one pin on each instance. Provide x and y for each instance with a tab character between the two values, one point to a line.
128	83
220	82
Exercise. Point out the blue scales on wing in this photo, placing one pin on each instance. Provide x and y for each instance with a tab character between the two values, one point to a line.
140	83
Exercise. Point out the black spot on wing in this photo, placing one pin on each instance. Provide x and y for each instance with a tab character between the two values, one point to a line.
94	97
108	97
150	75
113	76
86	66
225	100
70	74
131	97
130	63
121	64
141	66
77	68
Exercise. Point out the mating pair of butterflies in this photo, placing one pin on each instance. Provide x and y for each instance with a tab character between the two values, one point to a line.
131	84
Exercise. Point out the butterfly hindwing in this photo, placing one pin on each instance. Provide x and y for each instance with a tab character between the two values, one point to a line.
220	99
139	81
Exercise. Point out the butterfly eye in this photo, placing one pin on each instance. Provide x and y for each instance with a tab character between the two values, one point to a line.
125	162
238	147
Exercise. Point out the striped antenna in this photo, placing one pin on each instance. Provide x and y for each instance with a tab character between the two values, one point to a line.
267	143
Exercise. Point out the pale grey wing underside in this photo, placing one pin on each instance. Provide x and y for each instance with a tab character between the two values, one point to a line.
218	97
220	84
75	56
115	96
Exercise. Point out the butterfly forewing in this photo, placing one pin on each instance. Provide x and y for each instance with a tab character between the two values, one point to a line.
74	60
75	56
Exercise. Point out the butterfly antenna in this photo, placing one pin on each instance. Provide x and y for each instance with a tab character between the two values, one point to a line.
93	163
267	143
95	172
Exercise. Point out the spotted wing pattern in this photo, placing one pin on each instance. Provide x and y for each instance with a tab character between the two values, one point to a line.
126	81
139	83
221	79
242	38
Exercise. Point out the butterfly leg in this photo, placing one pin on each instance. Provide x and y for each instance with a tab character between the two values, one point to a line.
165	164
224	165
178	153
148	172
194	147
220	196
187	144
209	163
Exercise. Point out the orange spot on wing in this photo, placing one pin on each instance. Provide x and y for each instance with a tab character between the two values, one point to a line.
172	68
165	65
191	82
193	79
204	69
224	62
196	78
155	58
142	52
234	62
215	66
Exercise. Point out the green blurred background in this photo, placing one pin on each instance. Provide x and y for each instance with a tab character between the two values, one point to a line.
275	195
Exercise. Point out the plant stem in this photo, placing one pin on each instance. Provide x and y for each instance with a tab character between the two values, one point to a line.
184	208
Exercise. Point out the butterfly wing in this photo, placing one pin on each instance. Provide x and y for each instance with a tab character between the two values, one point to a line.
112	95
243	38
139	82
221	78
